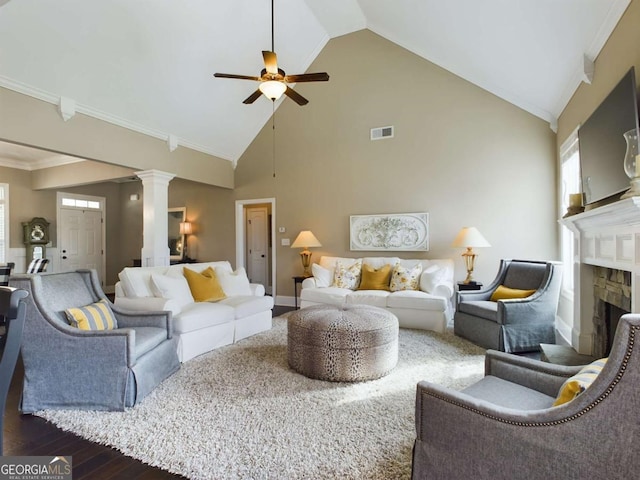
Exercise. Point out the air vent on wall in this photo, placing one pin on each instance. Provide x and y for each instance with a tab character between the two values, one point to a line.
381	132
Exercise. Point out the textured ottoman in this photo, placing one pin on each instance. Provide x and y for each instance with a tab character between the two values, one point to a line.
352	343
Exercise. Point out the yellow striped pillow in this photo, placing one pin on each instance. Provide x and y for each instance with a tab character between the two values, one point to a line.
577	384
97	316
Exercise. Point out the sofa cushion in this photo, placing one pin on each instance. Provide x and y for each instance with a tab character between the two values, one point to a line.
136	281
375	278
204	286
481	308
171	288
201	315
178	270
148	338
374	298
403	278
246	305
97	316
347	276
234	283
329	295
323	276
417	300
431	276
508	394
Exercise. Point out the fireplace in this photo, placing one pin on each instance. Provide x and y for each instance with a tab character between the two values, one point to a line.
612	299
606	274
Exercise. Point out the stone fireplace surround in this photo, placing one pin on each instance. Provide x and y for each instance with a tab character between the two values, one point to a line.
607	236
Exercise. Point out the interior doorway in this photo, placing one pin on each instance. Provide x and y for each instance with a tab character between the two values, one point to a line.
255	234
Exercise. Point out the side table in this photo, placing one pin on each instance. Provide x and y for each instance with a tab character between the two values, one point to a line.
297	280
469	286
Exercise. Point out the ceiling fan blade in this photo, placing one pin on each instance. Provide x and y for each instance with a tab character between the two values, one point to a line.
307	77
270	61
252	98
295	96
239	77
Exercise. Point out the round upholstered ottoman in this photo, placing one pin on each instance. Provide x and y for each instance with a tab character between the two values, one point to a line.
352	343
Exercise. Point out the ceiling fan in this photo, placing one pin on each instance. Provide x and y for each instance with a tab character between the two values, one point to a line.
273	80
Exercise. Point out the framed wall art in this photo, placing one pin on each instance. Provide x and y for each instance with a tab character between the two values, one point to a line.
398	232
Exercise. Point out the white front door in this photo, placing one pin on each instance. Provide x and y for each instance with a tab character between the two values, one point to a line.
81	240
258	245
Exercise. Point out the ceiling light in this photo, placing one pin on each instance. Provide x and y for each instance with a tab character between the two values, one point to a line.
273	89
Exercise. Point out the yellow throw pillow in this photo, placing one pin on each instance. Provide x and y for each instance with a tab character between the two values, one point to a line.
506	293
577	384
375	279
97	316
403	278
204	286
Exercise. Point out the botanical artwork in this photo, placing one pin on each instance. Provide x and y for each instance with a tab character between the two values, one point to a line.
396	232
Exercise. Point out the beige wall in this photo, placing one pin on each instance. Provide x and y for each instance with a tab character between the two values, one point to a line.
459	153
620	53
34	122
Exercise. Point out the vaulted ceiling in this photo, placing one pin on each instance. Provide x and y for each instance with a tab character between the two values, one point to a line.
148	65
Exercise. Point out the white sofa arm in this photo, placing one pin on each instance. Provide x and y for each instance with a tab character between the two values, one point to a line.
148	304
309	282
444	289
257	289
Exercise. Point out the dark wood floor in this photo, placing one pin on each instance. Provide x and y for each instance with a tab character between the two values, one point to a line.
27	435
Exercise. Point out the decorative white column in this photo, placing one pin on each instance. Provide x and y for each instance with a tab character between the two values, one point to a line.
155	223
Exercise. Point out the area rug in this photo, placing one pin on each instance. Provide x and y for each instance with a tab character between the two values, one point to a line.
239	412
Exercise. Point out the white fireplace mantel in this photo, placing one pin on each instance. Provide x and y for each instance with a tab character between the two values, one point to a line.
607	236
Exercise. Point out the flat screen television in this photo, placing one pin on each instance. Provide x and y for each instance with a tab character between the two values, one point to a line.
602	144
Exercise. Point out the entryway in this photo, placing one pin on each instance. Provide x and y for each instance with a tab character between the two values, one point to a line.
81	233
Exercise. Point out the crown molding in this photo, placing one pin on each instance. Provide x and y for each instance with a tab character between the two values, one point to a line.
54	99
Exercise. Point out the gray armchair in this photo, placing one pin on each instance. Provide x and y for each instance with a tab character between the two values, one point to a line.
514	325
69	368
505	426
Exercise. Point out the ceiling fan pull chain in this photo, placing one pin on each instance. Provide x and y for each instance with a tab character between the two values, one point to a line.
273	129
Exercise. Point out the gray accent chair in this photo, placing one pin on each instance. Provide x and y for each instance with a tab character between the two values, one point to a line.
514	325
69	368
505	427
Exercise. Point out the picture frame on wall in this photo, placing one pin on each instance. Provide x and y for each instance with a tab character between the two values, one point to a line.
400	232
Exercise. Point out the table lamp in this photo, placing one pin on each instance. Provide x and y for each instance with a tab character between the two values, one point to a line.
186	229
305	240
469	237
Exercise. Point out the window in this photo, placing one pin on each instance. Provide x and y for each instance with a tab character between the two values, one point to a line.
79	203
570	178
4	221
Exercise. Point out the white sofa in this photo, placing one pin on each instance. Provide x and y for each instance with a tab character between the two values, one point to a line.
199	326
429	308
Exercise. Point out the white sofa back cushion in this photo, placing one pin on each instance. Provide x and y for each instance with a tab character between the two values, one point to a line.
136	281
172	288
234	283
178	270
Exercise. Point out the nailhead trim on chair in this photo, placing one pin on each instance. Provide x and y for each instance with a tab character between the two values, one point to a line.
616	380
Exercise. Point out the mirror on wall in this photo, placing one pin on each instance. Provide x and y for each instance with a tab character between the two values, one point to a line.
176	240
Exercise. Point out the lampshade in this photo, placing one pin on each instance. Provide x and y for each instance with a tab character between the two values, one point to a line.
273	89
470	237
306	239
186	228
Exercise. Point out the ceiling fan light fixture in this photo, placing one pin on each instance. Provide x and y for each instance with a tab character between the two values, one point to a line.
273	89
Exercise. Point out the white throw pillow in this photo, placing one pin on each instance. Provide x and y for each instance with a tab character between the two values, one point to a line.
234	283
323	276
431	277
171	288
